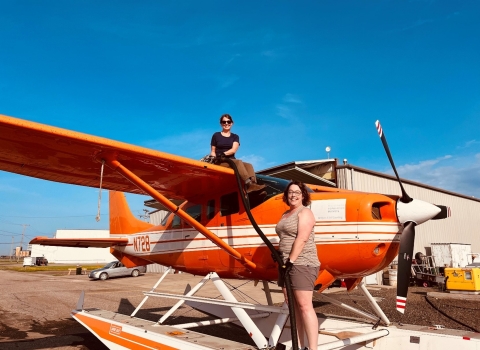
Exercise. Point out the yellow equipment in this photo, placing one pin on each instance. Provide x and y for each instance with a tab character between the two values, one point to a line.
463	278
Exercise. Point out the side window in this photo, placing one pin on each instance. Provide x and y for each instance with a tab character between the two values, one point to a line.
229	204
176	222
195	211
210	209
165	219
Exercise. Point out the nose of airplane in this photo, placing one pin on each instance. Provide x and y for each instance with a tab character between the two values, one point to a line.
416	211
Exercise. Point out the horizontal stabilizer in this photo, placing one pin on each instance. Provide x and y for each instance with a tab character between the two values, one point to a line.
80	242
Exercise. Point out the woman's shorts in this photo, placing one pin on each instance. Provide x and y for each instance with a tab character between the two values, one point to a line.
302	277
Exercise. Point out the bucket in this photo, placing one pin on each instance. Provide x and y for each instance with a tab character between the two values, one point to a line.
392	277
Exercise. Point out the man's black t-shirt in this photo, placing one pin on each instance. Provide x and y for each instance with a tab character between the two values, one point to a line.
223	144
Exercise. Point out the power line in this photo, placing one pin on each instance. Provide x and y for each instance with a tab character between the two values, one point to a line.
10	232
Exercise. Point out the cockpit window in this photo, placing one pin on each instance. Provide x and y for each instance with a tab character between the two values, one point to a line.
195	211
273	186
176	222
165	219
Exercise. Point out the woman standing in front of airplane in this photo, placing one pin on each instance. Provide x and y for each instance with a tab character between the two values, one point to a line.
299	252
225	144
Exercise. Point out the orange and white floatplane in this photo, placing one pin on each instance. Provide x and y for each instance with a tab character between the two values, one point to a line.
221	232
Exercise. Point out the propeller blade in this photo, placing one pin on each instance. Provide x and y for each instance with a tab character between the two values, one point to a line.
405	197
405	264
445	212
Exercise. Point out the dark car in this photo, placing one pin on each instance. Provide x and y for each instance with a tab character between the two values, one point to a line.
116	269
41	261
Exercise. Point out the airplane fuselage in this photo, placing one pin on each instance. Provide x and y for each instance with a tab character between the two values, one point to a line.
356	234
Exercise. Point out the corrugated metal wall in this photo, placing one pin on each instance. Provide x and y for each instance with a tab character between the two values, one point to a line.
462	227
157	268
157	216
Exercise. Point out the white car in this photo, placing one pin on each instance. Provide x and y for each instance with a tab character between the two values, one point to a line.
116	269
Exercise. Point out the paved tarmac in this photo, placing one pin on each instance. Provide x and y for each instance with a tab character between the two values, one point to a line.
35	307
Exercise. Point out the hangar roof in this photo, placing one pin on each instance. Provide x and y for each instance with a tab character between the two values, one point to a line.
316	172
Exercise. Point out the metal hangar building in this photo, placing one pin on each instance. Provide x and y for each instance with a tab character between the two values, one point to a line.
462	227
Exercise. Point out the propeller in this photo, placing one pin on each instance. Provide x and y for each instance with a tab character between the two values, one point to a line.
410	212
405	197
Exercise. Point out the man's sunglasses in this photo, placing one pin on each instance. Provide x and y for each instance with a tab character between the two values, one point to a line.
226	122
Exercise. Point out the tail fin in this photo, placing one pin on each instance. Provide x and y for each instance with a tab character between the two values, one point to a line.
122	221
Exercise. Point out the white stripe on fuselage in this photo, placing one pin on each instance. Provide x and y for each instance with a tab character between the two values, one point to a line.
190	240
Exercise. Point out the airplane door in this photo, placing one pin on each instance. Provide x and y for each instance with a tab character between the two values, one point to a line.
194	256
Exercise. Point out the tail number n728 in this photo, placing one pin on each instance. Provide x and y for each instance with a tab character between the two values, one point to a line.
141	244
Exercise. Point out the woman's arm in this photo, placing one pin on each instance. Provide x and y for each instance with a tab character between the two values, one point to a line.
212	151
306	221
232	150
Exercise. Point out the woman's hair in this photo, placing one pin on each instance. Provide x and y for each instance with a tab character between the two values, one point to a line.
226	116
306	196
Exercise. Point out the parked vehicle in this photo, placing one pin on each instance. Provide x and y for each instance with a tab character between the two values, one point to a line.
41	261
29	261
116	269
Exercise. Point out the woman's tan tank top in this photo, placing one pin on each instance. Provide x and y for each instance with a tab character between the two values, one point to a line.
287	229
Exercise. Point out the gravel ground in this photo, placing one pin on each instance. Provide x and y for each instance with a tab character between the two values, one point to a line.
421	310
35	309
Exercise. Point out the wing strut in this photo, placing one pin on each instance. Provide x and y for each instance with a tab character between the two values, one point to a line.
117	166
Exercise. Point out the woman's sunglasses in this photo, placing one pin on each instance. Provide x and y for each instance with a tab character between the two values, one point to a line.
226	122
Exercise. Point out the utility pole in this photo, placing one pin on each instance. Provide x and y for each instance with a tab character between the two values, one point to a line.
23	234
11	250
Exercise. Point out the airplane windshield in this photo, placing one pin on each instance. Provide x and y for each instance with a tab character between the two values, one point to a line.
273	186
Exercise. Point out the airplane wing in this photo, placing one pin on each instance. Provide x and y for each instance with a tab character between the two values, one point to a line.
79	242
61	155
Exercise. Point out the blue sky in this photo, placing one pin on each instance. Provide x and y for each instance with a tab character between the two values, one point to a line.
296	77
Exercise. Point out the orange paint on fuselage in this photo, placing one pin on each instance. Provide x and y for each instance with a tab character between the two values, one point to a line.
358	245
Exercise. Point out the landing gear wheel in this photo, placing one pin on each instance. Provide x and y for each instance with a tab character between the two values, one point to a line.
103	276
426	284
135	273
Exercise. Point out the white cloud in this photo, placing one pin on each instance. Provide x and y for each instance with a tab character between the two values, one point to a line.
258	162
291	98
425	164
269	53
225	82
231	59
456	174
289	107
284	112
469	143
